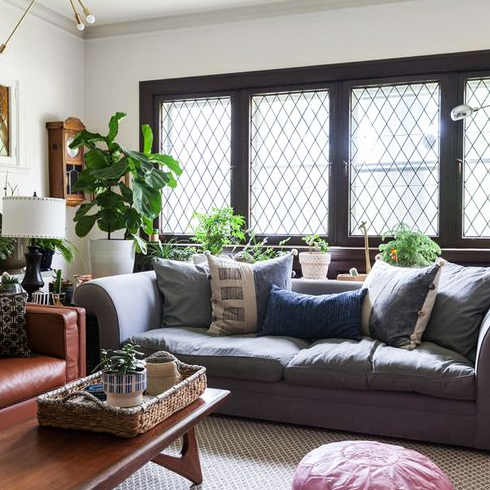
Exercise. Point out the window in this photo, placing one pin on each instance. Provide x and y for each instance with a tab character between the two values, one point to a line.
476	168
4	121
289	163
321	149
394	157
197	132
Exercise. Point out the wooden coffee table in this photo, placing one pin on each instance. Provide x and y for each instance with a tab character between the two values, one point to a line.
46	458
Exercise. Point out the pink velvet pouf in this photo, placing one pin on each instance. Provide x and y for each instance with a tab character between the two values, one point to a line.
364	465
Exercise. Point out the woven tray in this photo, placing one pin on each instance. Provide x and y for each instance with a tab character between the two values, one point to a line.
72	408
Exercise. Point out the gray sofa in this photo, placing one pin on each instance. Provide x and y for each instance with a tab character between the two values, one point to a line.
430	393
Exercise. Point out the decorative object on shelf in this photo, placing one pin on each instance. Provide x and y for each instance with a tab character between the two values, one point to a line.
217	229
315	262
464	110
123	376
162	373
89	18
116	205
33	217
10	284
353	275
65	163
363	228
409	248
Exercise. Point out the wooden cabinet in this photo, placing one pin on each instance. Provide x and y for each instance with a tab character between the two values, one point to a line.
65	164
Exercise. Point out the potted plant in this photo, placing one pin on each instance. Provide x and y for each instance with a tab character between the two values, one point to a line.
408	248
123	376
219	228
49	246
116	205
10	284
315	262
257	250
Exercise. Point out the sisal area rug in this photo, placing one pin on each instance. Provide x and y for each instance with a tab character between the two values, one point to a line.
238	454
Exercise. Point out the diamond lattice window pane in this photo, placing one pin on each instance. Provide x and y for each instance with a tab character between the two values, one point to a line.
394	157
289	163
197	132
476	168
4	122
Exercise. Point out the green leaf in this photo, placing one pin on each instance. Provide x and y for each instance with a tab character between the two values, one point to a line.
96	159
110	199
85	137
85	224
140	244
114	126
147	138
83	210
169	161
147	201
114	172
156	178
126	193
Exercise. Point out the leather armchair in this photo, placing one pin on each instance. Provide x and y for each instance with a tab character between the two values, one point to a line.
56	336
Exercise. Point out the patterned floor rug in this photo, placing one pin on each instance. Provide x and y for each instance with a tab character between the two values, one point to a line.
239	454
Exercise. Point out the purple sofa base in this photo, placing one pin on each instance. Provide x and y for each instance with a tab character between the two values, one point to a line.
392	414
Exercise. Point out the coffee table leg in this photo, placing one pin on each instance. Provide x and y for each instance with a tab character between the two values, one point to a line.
187	464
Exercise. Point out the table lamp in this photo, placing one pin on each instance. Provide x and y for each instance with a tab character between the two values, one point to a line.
33	217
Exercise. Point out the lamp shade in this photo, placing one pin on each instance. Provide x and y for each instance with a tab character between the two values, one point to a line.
33	217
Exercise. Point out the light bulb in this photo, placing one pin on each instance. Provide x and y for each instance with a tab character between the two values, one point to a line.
90	18
80	26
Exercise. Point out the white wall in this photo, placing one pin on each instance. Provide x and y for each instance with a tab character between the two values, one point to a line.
50	64
114	66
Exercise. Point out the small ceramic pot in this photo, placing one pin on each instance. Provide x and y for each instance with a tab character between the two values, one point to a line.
126	390
162	375
314	265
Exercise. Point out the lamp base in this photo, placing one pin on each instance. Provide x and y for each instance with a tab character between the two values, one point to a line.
32	279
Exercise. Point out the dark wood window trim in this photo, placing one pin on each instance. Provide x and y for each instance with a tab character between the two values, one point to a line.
451	70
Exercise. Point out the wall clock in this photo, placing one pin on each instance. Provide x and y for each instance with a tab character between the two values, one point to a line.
65	163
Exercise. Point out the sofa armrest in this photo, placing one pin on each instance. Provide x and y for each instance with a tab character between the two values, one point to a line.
58	332
482	370
124	305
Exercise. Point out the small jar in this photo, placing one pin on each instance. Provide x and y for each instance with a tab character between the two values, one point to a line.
162	374
154	237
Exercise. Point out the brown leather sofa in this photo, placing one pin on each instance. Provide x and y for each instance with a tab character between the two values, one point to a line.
56	336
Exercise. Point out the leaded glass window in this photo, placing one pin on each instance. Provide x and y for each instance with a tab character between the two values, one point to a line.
394	157
289	156
4	121
476	168
197	132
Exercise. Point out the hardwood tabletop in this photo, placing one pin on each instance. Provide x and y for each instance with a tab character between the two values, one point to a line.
46	458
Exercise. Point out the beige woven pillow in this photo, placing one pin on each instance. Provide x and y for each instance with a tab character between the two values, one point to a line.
240	292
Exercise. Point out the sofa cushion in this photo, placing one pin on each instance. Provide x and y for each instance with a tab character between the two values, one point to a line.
24	378
399	303
333	363
238	356
430	369
240	292
186	293
312	317
462	300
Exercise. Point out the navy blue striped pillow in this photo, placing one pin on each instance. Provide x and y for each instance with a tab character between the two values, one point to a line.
314	317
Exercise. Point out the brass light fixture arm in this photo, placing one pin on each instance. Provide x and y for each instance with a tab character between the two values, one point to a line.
4	46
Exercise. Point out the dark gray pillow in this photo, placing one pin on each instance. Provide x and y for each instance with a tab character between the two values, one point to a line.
399	302
462	300
186	293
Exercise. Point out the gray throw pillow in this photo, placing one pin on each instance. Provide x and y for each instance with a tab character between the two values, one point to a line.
186	293
462	301
399	303
240	292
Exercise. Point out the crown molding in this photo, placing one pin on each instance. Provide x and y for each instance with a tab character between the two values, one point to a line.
47	15
195	19
229	15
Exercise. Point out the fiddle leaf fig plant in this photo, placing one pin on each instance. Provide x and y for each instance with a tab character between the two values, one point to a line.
117	206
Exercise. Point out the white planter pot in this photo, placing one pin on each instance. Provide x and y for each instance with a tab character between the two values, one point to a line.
314	265
126	390
111	257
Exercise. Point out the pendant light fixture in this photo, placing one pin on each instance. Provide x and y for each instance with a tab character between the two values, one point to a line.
80	24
